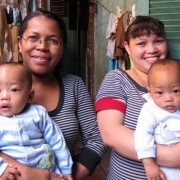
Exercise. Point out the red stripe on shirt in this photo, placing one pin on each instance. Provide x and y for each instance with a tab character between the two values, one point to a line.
110	103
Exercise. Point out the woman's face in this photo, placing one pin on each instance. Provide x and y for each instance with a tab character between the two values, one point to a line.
41	57
145	50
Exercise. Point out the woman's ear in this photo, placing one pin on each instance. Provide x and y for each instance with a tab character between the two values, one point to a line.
126	46
19	43
31	95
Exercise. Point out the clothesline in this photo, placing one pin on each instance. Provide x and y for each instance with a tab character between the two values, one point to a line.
104	7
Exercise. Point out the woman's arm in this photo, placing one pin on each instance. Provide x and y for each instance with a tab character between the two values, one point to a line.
81	172
168	156
115	135
93	147
121	139
28	173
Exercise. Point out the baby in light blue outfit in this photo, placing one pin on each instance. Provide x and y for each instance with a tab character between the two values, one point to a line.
27	133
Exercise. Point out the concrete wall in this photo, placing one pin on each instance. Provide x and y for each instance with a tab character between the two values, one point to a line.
100	42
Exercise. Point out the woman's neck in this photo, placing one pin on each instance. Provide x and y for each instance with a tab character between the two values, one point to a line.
43	79
46	92
139	76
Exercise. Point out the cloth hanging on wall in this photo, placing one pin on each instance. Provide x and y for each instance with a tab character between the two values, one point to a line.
123	22
113	64
10	19
23	8
9	14
109	36
120	34
111	31
6	41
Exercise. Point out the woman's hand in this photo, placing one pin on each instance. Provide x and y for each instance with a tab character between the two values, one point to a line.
54	176
67	177
168	156
28	173
81	172
11	173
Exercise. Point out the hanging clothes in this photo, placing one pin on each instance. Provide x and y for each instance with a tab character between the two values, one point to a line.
23	8
113	64
10	19
9	14
123	22
111	36
16	17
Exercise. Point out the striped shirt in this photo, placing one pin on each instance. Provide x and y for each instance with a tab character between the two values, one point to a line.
119	91
75	115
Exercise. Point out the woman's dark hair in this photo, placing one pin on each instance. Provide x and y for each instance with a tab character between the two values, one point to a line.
144	25
46	14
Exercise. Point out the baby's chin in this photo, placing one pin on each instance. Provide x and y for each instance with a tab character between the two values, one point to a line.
6	114
170	109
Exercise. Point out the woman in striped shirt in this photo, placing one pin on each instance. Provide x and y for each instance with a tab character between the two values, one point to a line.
119	101
42	39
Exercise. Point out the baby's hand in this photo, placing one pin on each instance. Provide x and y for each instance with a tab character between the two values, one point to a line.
67	177
10	173
153	171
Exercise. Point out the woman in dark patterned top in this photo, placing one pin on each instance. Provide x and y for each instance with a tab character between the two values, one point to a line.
42	39
119	101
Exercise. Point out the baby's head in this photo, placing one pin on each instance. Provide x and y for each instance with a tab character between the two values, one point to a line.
164	84
15	88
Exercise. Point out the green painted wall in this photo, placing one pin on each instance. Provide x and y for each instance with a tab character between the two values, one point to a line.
101	21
